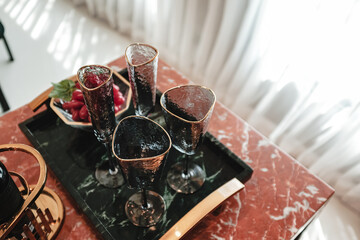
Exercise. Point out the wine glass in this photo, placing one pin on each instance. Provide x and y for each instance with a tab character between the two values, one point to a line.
142	63
96	83
187	110
141	146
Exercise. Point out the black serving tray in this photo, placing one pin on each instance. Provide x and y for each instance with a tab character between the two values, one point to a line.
73	154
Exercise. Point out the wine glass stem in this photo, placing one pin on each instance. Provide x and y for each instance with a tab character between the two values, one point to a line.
186	168
144	203
112	170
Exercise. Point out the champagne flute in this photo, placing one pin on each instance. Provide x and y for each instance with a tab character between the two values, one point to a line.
141	146
96	84
187	110
142	63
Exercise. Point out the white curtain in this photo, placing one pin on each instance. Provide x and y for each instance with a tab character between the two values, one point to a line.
290	68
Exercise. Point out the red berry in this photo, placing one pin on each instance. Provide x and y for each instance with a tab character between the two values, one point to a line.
116	87
118	100
75	115
103	76
116	94
77	85
66	106
73	104
77	95
117	108
83	113
92	80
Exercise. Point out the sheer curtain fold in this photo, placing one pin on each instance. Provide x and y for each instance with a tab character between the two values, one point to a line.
224	41
241	59
137	21
188	41
281	66
90	4
207	39
110	12
174	33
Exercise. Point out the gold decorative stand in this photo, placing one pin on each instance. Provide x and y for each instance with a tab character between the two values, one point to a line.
42	206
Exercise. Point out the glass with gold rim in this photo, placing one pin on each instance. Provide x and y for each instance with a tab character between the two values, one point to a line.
187	110
99	101
142	63
141	147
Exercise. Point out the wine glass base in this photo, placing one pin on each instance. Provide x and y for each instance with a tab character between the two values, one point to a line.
108	180
145	216
186	183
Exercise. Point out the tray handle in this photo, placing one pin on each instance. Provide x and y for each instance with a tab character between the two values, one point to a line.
202	209
37	102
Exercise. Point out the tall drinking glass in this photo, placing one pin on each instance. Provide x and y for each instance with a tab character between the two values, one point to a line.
142	63
96	84
141	146
187	110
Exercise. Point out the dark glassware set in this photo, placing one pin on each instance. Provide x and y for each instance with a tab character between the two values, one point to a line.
139	144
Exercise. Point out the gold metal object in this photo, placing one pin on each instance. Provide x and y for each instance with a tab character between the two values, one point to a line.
42	206
190	219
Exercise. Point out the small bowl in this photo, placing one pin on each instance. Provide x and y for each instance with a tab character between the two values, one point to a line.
65	116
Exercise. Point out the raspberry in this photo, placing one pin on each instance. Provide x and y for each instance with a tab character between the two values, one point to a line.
92	80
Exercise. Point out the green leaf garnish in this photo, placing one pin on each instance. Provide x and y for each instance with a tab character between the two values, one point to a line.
63	90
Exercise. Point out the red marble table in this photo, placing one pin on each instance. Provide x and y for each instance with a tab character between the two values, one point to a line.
278	201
